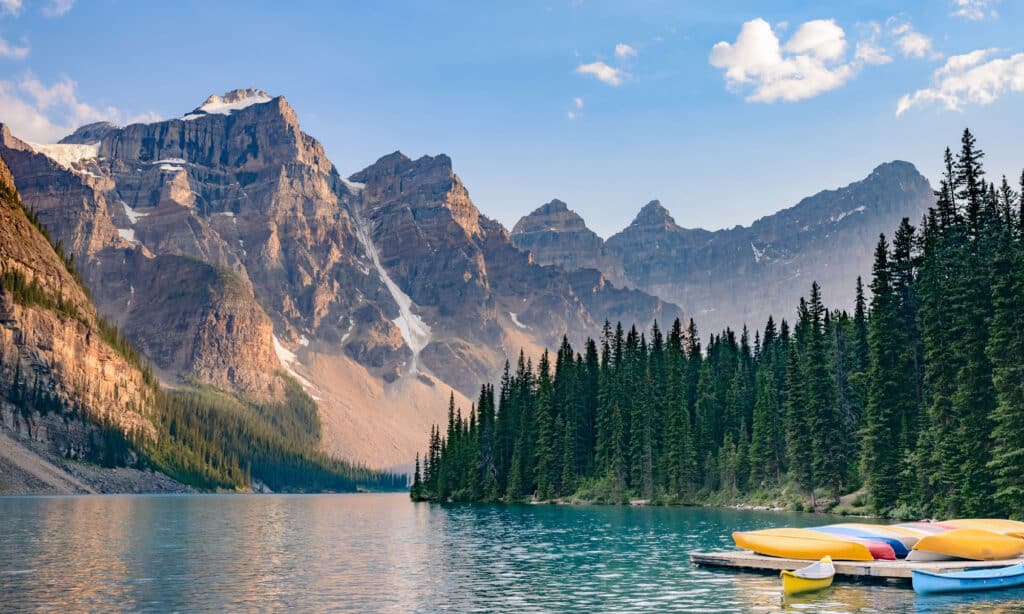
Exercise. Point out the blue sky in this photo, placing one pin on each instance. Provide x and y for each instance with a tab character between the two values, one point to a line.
725	111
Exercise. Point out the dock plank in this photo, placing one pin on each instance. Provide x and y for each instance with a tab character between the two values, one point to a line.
751	561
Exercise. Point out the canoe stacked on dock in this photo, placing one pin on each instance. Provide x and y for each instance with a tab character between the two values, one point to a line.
976	539
810	545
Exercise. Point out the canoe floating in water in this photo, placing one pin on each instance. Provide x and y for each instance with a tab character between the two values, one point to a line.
898	548
811	578
973	544
974	580
802	544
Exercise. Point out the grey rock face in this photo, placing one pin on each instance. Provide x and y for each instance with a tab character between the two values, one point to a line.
743	274
557	235
202	236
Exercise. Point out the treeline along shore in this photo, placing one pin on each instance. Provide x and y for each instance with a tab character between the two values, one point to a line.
915	400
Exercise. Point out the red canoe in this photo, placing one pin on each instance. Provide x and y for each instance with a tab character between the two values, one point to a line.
880	550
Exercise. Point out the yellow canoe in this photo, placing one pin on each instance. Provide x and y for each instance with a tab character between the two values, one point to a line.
811	578
974	544
801	544
1013	528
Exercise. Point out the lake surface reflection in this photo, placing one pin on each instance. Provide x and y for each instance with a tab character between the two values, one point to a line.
380	552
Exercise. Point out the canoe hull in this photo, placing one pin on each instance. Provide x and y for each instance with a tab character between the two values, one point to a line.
898	548
972	544
793	584
976	580
801	544
1013	528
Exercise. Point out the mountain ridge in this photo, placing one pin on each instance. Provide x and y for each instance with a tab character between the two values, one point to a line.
683	265
392	273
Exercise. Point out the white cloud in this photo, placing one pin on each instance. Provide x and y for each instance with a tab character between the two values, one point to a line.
603	72
821	38
868	50
622	50
13	52
810	63
44	113
571	115
10	7
917	45
578	102
971	78
911	43
974	9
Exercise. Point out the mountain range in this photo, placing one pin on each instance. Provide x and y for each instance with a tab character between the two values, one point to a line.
742	274
231	252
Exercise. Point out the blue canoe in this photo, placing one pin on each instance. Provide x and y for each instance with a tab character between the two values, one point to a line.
898	547
974	580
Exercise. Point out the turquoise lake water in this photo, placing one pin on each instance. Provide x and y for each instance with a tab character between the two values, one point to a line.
366	553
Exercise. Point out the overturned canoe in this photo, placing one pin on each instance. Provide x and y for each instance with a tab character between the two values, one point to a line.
802	544
908	537
974	580
924	527
973	544
1013	528
808	579
898	548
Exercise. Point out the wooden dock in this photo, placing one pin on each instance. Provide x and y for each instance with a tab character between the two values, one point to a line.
745	560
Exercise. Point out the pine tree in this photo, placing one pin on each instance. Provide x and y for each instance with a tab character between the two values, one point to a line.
884	413
1006	352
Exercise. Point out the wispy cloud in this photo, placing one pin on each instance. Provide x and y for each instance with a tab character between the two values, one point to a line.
43	113
10	7
622	50
577	102
910	42
810	63
975	10
56	8
603	72
972	78
917	45
13	52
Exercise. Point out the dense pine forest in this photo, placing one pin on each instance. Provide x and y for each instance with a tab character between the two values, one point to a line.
915	400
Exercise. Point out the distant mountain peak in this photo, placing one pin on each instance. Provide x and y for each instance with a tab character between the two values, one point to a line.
895	168
553	206
230	102
653	213
554	216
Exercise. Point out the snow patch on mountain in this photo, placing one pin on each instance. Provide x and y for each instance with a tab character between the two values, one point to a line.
67	155
229	103
415	332
515	320
836	218
133	215
288	359
353	186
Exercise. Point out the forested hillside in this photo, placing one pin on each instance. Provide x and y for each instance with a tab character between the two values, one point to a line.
68	369
917	396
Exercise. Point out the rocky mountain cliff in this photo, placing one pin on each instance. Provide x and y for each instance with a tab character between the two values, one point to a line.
227	247
62	371
743	274
559	236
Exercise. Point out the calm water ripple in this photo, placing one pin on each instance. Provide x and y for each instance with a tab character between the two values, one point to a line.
366	553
